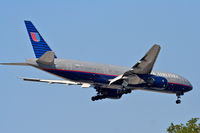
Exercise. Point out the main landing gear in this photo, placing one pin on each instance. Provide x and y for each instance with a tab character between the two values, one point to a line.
98	97
178	101
103	93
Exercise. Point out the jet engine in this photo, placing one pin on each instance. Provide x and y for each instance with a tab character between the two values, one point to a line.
157	81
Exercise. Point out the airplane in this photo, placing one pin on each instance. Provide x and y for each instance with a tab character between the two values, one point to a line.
109	81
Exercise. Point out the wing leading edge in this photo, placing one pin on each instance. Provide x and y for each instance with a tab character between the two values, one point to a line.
67	82
143	66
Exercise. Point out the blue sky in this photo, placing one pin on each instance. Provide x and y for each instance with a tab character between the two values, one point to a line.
107	31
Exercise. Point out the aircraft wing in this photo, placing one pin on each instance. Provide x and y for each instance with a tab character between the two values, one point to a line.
67	82
143	66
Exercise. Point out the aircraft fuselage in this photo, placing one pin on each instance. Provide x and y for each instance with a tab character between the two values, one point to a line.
101	74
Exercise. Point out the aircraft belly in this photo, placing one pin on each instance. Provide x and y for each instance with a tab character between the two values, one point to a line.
80	76
157	90
104	79
93	78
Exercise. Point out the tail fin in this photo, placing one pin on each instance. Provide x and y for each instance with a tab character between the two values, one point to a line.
39	45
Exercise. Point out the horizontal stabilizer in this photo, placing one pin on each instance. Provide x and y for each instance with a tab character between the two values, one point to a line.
16	64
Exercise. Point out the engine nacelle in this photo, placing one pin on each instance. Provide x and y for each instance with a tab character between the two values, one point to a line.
157	81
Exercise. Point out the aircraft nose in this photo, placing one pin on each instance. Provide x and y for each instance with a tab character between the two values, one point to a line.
191	87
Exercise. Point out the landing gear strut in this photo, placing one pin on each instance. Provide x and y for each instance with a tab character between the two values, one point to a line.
178	101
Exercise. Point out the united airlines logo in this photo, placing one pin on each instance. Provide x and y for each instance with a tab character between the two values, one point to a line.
35	36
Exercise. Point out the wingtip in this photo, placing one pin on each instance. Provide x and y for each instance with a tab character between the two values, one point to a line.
157	45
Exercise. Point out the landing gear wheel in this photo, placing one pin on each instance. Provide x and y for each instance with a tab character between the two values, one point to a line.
178	94
98	97
129	91
93	98
178	101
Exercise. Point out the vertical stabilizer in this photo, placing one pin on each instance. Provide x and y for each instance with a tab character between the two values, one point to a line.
39	44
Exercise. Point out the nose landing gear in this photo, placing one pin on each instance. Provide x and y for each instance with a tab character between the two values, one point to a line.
178	101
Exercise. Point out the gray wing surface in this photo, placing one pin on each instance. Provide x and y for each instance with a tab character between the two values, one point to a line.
143	66
67	82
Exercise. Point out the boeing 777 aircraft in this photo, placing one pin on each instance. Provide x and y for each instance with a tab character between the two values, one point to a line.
109	81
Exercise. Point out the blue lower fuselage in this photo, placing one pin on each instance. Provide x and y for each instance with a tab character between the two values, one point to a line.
99	78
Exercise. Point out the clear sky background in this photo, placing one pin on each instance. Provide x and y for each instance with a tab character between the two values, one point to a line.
107	31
